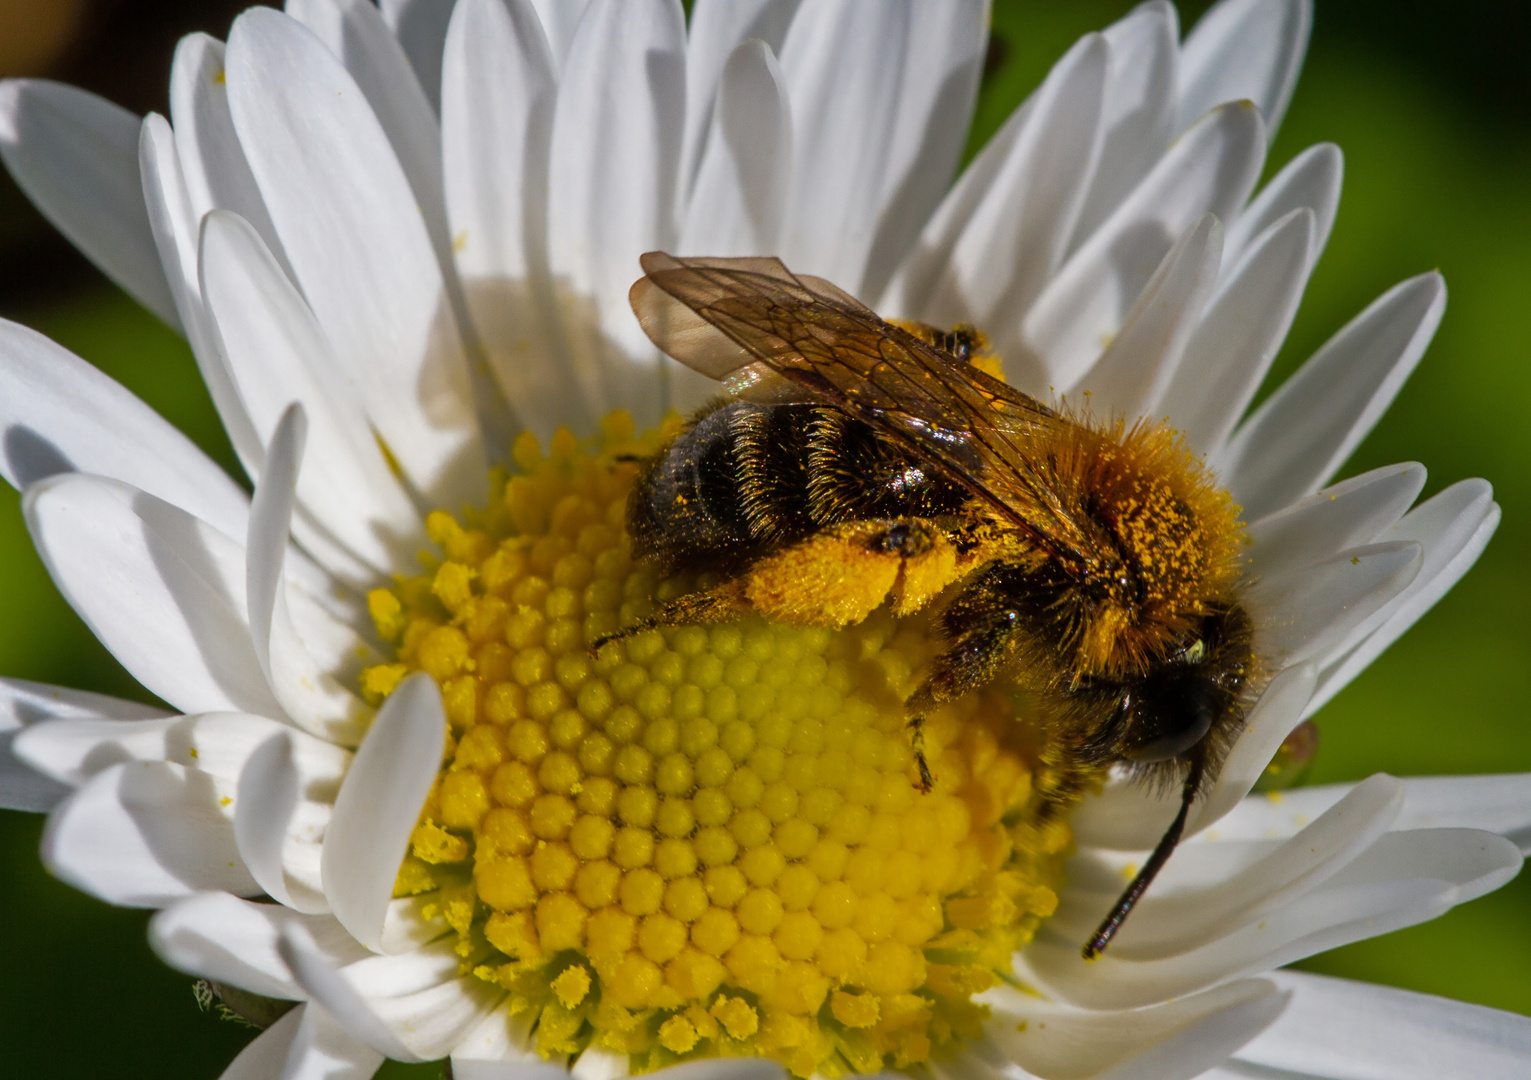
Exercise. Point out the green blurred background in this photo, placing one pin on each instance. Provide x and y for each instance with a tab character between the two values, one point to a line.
1431	103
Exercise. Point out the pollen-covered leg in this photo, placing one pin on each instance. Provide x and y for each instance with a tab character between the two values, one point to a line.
840	576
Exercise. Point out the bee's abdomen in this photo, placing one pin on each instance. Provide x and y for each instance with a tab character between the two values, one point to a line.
722	491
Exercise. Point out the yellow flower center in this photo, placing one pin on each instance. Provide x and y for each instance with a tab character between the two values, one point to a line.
705	840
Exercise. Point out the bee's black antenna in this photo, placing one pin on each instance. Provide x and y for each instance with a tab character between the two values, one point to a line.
1134	892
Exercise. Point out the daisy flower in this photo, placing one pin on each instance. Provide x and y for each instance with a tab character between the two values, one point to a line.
398	797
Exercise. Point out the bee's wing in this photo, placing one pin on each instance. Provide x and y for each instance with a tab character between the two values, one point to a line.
769	335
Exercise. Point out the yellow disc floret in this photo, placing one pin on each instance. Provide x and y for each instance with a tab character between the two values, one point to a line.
703	840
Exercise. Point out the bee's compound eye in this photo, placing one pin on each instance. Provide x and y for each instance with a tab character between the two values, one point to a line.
1168	716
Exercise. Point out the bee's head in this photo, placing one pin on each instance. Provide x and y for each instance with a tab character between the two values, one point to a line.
1197	691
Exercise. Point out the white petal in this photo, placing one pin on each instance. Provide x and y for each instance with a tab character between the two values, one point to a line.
319	979
1452	527
73	749
1138	109
1210	169
717	28
1173	1041
432	1022
560	19
843	64
379	805
230	940
1354	511
500	1047
353	232
163	590
59	415
741	188
1303	432
266	1056
1126	816
1310	180
1016	234
269	799
217	174
617	129
421	27
145	833
1338	1028
1190	904
311	696
278	355
25	705
1404	878
1133	372
946	47
174	219
1306	612
305	1044
356	33
75	155
498	91
1245	49
1240	333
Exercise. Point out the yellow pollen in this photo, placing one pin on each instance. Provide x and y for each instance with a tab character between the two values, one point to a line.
707	839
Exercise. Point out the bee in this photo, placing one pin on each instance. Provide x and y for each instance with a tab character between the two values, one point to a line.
1095	566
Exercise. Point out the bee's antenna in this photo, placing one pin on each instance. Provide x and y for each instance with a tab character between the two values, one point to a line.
1134	892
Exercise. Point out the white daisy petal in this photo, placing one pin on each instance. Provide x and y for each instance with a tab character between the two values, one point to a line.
1132	373
73	749
269	799
216	172
498	90
1452	528
1312	181
230	940
717	28
379	805
356	33
946	46
500	1047
741	187
60	415
1494	803
1015	235
266	1055
162	589
1245	49
1306	612
560	19
75	155
1240	332
323	1050
1338	1028
1352	512
431	1022
1173	1041
1210	169
174	220
1184	909
320	979
843	64
1402	879
361	522
25	705
1138	109
421	27
1303	432
144	833
617	129
353	232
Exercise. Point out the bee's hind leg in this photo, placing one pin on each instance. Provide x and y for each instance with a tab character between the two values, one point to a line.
916	727
717	604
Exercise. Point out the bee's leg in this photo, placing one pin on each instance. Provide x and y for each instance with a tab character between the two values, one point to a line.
838	576
718	604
